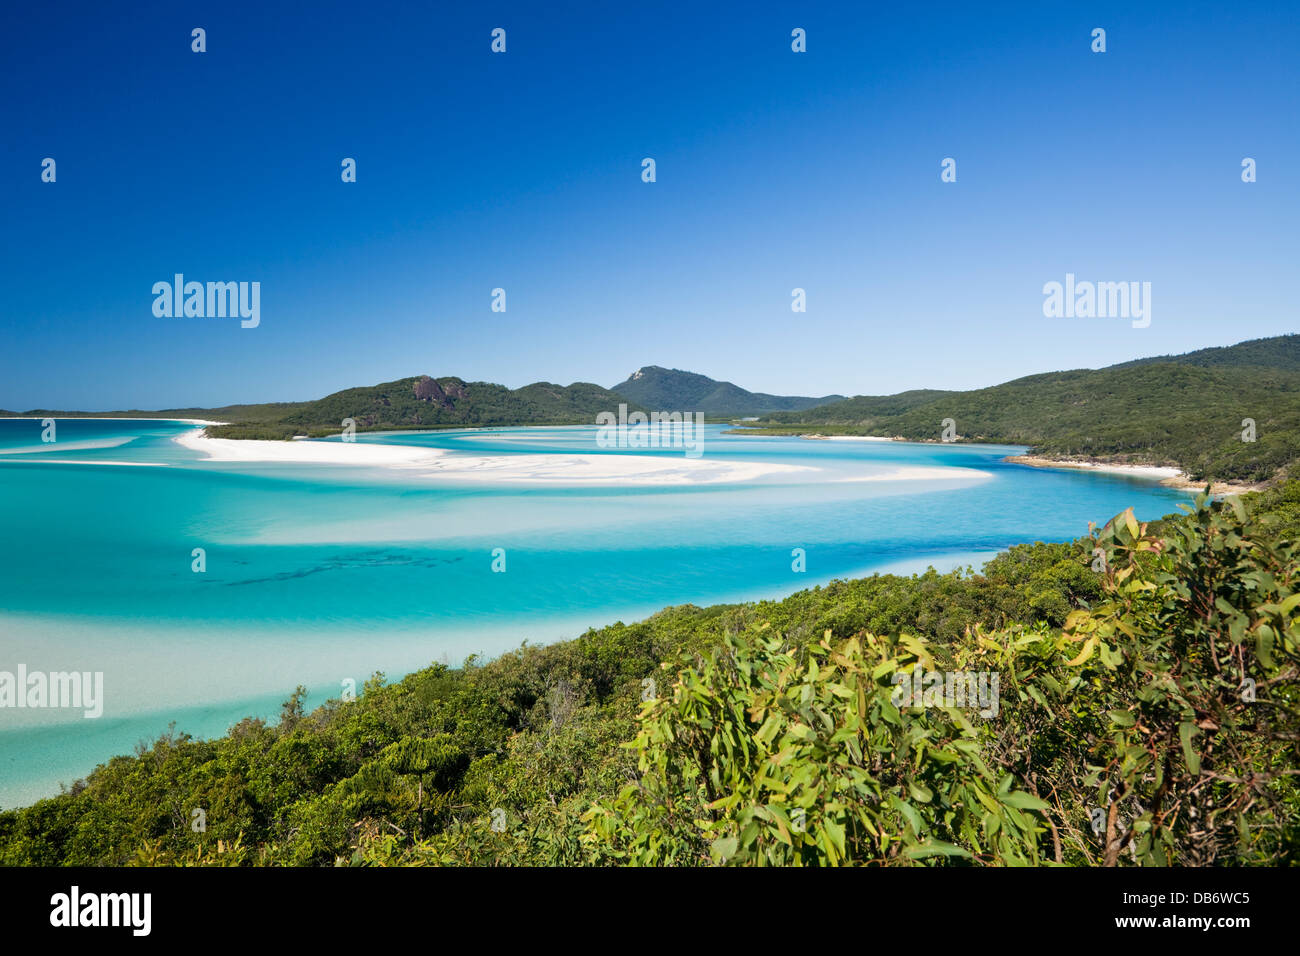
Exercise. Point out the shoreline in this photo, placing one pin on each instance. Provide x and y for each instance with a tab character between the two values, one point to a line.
901	439
1168	476
561	468
303	452
575	469
559	628
818	437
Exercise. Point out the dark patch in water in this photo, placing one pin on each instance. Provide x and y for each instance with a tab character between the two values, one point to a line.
365	559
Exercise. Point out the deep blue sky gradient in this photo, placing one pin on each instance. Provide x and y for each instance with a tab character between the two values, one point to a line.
522	170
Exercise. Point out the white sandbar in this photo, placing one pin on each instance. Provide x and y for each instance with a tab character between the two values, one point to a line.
307	452
528	468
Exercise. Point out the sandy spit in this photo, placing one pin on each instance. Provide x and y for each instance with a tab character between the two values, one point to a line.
1168	476
570	469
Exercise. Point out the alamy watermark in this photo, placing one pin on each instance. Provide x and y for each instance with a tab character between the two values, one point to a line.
82	690
922	688
132	911
1098	300
212	300
656	430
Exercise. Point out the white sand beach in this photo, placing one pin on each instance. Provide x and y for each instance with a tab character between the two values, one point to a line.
516	468
848	438
541	467
1139	471
1167	476
307	452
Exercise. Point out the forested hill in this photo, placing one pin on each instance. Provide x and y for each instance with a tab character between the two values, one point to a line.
408	403
671	389
1188	411
424	402
1280	352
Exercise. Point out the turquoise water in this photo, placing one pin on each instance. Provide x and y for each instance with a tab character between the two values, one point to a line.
317	574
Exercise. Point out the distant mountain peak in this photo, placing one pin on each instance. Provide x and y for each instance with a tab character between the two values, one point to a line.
656	387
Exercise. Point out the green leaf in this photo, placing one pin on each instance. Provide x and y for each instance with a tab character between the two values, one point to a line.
909	813
936	848
724	848
1185	731
1264	645
1025	801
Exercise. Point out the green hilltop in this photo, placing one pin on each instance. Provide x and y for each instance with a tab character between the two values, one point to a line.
424	402
1188	411
671	389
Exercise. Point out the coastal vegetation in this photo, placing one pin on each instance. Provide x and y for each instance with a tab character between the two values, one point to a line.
1149	714
1147	711
1224	414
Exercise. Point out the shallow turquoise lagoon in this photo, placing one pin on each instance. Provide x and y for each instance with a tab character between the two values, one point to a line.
317	574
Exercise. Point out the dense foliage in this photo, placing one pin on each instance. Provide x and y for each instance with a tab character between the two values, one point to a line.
1146	714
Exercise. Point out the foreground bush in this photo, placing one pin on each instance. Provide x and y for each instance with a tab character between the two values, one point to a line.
1145	713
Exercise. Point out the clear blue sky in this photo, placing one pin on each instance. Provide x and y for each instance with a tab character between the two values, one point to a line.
775	170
